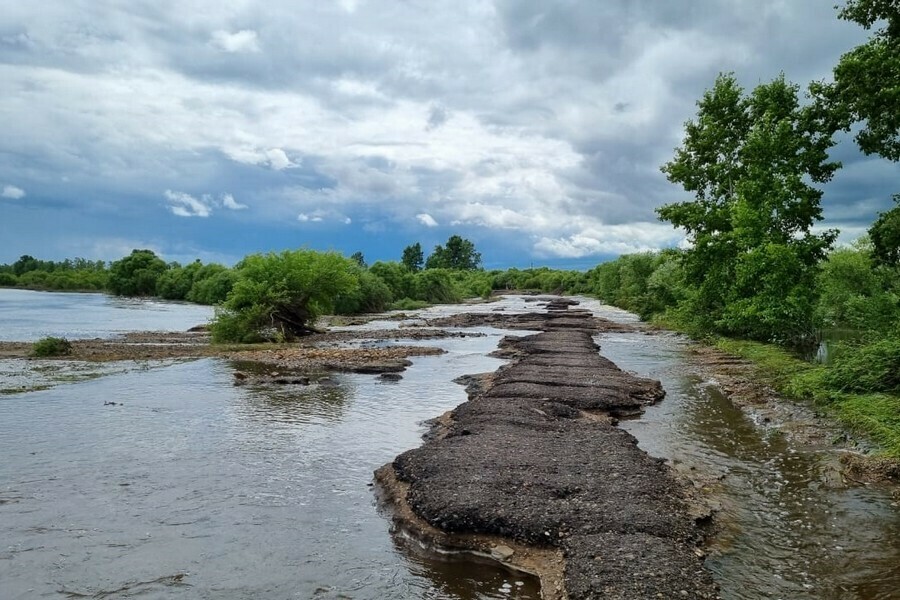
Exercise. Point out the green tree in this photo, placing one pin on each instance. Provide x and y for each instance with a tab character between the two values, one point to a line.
25	264
866	86
359	259
279	296
885	236
177	281
136	274
396	276
749	160
413	258
459	253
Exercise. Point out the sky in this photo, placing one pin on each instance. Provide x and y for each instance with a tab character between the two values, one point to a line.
213	129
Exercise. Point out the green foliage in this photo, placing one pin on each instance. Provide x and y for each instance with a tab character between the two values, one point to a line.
176	282
866	81
413	259
51	346
279	296
136	274
408	304
435	286
396	276
359	259
473	284
646	283
855	293
873	414
749	161
370	295
871	367
74	275
459	253
211	284
885	236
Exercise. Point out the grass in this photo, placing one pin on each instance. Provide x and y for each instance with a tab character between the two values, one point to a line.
873	415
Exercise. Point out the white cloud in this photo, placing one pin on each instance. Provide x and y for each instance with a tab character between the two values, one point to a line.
427	220
240	41
13	192
278	160
229	202
512	115
609	239
184	205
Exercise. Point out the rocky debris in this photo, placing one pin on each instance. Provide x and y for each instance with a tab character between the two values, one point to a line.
392	359
390	377
565	366
559	319
527	459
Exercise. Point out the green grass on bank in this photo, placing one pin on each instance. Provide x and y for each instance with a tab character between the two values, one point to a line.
873	415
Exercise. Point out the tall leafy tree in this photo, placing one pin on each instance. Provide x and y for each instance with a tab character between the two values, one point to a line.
458	254
136	274
359	258
885	236
866	86
750	160
413	258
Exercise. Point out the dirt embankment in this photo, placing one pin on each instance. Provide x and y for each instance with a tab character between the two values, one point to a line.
533	471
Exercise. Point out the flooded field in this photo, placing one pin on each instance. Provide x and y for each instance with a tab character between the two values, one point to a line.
165	480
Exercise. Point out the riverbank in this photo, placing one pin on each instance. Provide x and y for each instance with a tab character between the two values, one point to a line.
545	469
781	391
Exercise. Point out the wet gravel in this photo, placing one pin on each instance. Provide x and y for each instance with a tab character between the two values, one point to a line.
525	459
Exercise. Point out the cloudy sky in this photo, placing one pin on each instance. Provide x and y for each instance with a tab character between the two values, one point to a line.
535	128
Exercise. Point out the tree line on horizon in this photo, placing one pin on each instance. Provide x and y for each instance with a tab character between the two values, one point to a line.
278	296
755	268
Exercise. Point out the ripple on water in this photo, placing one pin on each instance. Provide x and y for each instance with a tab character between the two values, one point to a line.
192	487
787	530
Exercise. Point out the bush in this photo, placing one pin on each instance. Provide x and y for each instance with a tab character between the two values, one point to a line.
872	367
372	295
408	304
279	296
435	286
214	288
8	279
51	346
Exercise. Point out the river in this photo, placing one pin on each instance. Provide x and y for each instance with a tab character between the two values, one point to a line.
189	487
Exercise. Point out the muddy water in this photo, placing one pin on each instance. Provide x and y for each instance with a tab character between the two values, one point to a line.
190	487
790	528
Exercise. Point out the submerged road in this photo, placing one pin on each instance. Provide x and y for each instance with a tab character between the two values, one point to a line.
533	471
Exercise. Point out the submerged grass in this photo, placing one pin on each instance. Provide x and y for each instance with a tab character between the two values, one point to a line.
874	415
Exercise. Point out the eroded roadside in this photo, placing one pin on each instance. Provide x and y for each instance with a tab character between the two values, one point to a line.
533	471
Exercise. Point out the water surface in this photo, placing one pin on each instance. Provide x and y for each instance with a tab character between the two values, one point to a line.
26	316
190	487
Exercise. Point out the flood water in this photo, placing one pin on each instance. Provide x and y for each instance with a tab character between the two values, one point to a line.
190	487
26	316
789	528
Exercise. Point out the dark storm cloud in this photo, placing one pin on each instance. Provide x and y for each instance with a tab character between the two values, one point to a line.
522	121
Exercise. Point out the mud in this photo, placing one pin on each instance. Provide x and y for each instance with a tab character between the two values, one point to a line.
527	460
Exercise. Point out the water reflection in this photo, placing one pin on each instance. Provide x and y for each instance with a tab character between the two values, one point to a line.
790	527
465	576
